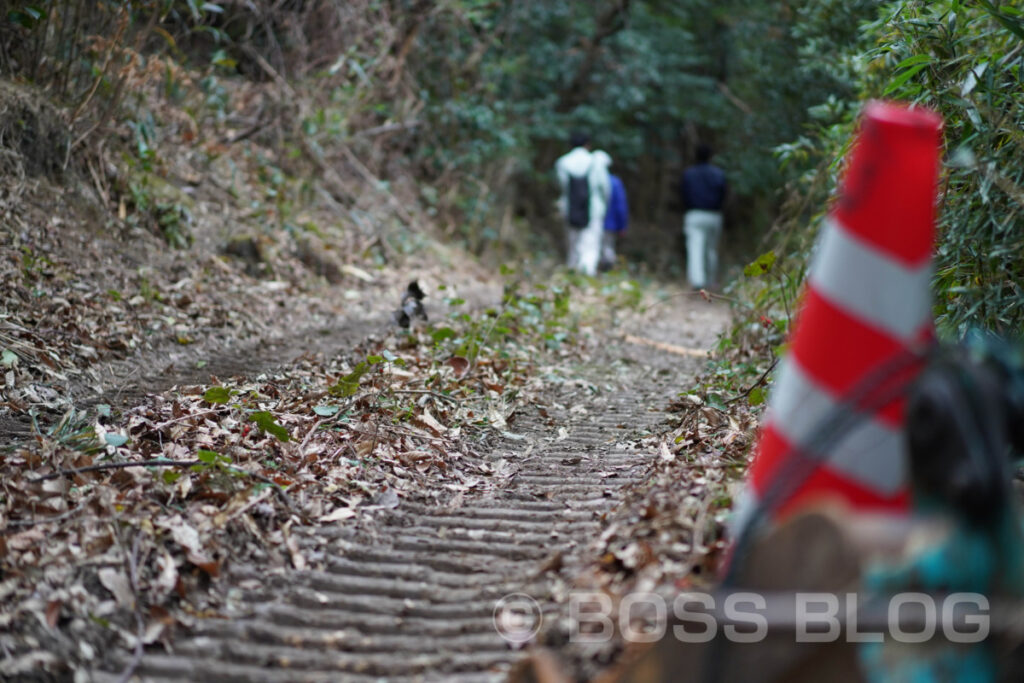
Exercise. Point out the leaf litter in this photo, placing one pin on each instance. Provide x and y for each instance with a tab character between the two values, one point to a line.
668	533
126	533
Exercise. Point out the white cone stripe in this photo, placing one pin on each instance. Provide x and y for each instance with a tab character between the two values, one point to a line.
861	280
872	452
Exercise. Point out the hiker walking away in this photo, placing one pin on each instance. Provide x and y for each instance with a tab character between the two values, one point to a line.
702	191
616	220
583	180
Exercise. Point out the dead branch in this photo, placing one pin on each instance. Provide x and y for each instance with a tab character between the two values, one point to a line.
103	71
157	462
427	392
609	22
669	348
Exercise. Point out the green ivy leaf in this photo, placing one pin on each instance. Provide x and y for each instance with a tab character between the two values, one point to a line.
170	476
115	440
349	384
715	401
326	411
217	395
207	457
756	396
562	305
265	421
443	333
761	265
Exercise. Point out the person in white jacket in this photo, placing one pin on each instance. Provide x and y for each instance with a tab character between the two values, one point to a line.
586	188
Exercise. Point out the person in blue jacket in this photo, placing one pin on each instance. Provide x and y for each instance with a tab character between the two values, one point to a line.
616	220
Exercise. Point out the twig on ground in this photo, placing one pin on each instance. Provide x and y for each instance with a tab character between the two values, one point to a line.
428	392
176	420
158	462
253	502
714	465
309	435
140	623
697	537
53	518
669	348
703	293
394	430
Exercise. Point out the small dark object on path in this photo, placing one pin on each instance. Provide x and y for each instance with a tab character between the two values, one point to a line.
412	306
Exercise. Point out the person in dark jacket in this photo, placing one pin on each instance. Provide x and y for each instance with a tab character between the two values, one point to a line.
616	220
702	191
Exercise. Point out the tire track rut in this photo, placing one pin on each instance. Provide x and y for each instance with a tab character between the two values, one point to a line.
409	594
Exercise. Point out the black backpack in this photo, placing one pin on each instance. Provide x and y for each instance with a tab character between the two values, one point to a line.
579	200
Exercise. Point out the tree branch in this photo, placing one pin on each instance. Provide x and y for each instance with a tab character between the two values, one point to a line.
609	22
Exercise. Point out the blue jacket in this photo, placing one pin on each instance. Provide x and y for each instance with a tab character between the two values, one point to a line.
703	187
616	219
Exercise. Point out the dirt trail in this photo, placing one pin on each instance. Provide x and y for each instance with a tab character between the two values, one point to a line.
125	382
407	590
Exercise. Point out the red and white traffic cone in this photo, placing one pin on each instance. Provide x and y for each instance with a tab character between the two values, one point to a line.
834	427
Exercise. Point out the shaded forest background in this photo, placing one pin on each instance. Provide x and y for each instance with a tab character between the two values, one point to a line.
453	111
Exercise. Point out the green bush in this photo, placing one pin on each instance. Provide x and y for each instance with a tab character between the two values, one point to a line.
965	61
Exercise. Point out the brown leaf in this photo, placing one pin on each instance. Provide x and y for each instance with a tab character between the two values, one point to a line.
201	560
158	613
53	612
431	423
460	365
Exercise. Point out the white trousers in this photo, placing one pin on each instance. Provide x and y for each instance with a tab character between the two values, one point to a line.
703	230
585	247
607	249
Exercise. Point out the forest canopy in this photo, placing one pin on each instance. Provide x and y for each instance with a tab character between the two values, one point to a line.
466	103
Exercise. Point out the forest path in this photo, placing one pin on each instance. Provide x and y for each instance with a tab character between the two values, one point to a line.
407	590
125	382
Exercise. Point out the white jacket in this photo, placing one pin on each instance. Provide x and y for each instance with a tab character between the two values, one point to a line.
580	161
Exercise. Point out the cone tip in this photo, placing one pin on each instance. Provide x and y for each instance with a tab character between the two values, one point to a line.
902	114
